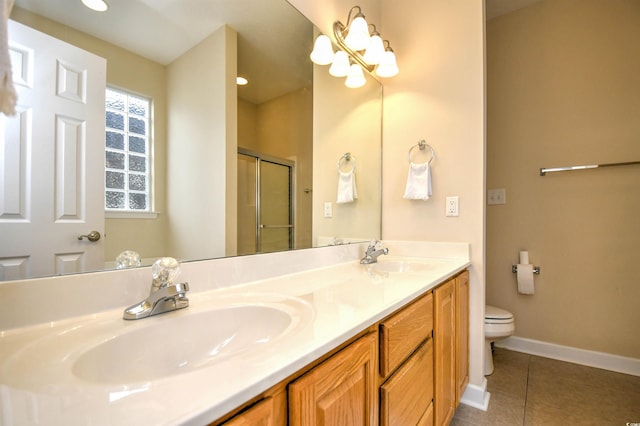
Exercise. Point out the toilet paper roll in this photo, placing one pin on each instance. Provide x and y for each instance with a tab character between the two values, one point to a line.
524	257
525	278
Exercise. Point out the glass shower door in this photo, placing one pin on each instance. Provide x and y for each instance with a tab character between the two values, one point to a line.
265	204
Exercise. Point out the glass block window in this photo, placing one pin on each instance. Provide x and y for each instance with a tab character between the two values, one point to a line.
127	149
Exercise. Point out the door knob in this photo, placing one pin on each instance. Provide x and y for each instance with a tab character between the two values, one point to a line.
92	236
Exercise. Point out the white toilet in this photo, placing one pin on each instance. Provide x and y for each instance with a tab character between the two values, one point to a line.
498	324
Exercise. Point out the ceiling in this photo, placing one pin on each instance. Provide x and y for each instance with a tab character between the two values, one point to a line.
163	30
495	8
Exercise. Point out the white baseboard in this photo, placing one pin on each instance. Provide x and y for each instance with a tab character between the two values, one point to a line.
476	396
602	360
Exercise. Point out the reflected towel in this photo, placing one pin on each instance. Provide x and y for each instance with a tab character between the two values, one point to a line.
8	94
418	182
347	192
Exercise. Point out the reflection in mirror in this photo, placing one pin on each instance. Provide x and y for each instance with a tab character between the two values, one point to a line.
199	125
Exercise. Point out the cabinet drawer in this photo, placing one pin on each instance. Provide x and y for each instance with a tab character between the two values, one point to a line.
403	332
407	395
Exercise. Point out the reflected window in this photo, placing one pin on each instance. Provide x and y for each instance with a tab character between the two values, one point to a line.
127	152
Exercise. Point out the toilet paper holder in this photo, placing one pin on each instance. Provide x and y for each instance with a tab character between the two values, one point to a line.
536	269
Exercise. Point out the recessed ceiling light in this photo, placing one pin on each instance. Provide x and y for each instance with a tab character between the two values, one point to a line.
241	81
97	5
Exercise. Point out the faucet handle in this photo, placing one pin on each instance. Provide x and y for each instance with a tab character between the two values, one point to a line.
164	271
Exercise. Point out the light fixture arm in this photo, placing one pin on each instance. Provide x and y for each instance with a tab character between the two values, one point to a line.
357	14
388	46
338	32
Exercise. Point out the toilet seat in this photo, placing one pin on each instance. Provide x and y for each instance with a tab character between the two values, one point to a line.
493	315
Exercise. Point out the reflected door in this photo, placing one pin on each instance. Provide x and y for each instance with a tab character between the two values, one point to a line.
265	206
52	159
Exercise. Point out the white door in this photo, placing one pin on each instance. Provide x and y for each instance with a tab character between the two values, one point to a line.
52	164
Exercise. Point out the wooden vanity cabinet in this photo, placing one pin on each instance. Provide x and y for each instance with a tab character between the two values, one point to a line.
451	346
462	333
406	364
405	398
340	391
270	411
409	369
444	353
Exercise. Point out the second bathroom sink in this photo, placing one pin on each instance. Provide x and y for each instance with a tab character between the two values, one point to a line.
400	266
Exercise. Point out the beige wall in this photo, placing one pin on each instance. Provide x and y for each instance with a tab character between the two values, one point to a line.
439	96
564	89
202	153
137	74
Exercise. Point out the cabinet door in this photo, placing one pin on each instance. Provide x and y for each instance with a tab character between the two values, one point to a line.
444	398
271	411
462	333
340	391
405	397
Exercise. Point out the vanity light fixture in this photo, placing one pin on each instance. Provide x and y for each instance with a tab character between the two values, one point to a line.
241	81
356	44
97	5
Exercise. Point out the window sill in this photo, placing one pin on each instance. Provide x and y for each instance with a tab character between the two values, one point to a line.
130	215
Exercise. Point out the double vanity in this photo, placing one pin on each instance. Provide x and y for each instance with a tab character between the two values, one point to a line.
277	336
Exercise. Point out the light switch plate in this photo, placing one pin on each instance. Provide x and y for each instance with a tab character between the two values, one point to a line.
496	196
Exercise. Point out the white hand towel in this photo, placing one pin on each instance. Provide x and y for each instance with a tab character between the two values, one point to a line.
8	94
347	192
418	182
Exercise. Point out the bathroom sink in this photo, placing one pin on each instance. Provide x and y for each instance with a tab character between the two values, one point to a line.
178	344
400	266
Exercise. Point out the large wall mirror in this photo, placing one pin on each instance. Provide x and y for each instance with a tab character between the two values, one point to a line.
235	169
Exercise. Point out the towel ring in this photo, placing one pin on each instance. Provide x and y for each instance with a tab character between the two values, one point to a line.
422	145
346	158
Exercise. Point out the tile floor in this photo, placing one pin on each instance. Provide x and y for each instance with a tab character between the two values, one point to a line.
530	390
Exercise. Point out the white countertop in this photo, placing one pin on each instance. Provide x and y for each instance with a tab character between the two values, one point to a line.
328	305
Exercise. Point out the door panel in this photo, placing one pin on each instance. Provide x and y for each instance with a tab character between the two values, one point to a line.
51	188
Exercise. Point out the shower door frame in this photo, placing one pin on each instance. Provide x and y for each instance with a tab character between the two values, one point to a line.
292	201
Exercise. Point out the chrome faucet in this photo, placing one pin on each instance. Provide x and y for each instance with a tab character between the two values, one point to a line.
164	296
371	255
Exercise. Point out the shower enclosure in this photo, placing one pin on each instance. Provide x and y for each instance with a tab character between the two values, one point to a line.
265	203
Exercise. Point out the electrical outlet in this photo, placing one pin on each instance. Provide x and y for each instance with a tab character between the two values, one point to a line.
328	209
496	196
452	206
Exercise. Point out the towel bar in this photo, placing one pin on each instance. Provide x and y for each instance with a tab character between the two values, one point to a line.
545	170
536	269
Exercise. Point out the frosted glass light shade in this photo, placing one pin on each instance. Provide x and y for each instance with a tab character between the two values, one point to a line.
322	53
375	50
97	5
358	35
388	66
340	65
355	78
